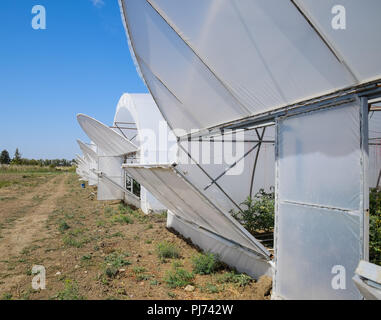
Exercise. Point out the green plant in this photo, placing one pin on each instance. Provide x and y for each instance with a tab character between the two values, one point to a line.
70	291
113	262
211	288
205	263
167	250
71	241
63	226
154	282
138	270
239	279
6	296
117	260
86	257
375	226
259	213
178	277
121	218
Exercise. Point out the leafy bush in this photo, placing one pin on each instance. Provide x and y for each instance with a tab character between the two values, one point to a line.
375	226
259	213
167	250
178	277
205	263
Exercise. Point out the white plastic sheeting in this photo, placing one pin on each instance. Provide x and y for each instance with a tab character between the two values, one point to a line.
357	45
108	141
179	196
156	142
138	118
228	252
320	203
279	53
92	162
375	149
111	168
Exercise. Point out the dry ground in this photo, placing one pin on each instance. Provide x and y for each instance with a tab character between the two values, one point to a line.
47	219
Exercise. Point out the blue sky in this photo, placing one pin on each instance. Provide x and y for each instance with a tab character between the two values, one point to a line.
79	64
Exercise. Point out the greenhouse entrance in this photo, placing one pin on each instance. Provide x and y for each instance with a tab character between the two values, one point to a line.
321	197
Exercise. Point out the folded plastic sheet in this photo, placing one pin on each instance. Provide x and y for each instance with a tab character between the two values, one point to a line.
182	47
228	252
319	214
170	188
88	151
92	161
108	141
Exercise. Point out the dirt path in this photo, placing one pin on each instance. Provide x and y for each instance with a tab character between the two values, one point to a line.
31	227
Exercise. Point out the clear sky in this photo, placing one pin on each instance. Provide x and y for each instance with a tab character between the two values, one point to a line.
79	64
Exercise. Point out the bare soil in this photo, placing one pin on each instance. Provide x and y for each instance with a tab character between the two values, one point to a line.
49	220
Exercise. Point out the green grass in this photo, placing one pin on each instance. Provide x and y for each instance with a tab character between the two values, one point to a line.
6	296
205	263
70	291
167	250
178	277
72	241
123	219
7	183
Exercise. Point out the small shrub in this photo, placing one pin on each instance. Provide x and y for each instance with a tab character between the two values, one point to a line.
205	263
178	277
259	213
167	250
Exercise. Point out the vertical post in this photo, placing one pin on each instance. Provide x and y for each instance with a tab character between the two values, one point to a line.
365	172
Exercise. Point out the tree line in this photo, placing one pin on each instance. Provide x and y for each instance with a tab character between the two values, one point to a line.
19	160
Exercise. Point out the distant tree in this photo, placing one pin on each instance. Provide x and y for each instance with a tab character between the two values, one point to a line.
4	157
17	157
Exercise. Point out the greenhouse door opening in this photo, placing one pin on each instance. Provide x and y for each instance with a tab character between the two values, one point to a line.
321	230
